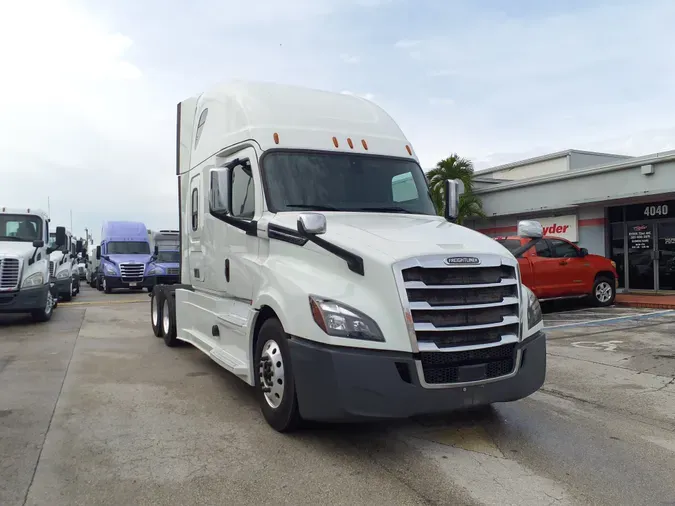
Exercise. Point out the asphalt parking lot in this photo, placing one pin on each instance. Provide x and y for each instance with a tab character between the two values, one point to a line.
95	410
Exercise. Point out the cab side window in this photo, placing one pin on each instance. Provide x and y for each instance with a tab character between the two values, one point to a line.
543	249
194	211
563	249
243	193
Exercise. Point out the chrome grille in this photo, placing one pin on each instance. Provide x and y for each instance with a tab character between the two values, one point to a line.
9	273
51	269
465	318
132	272
173	271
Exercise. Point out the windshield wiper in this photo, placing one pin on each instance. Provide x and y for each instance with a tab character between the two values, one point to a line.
385	210
11	238
318	207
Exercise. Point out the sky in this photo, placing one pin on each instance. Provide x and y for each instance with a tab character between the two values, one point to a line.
88	89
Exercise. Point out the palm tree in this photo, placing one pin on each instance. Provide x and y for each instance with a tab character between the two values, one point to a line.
455	167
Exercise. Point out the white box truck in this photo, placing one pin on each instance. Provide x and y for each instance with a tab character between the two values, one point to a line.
25	286
314	266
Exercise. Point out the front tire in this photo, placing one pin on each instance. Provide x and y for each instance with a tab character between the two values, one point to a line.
67	297
44	314
106	287
604	292
169	321
274	380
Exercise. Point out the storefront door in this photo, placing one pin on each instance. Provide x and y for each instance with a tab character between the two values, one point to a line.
641	244
651	255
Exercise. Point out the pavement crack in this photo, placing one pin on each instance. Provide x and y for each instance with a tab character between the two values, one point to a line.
56	403
671	382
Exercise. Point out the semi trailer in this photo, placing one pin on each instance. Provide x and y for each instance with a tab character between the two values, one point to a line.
313	265
25	285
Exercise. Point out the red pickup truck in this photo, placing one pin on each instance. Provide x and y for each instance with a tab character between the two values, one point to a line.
554	268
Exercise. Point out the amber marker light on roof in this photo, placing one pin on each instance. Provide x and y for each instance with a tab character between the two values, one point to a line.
335	142
351	144
276	138
408	149
363	143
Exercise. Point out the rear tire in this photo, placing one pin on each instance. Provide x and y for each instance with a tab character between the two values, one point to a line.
274	380
604	292
156	305
169	321
67	297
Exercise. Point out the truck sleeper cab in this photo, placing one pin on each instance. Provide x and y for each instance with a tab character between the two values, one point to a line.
25	285
314	266
124	256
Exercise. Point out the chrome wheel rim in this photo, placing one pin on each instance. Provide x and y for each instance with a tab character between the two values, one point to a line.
603	292
155	315
165	318
50	303
271	371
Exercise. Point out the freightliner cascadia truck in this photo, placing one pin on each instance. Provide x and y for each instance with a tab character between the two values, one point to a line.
165	265
315	268
124	256
25	285
63	265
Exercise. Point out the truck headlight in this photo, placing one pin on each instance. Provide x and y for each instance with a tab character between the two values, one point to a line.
339	320
110	270
534	314
36	279
62	274
154	271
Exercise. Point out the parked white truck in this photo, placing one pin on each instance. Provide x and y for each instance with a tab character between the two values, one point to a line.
24	263
63	265
311	274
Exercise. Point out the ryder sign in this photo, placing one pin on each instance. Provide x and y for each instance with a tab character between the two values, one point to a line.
565	227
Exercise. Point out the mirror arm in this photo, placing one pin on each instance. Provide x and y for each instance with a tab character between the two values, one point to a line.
354	261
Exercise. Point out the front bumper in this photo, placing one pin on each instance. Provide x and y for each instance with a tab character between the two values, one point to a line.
25	300
335	384
62	285
114	282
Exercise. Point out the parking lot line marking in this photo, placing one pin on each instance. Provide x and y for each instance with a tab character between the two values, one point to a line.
100	303
637	316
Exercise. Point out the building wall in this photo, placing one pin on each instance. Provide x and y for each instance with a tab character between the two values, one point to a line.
583	160
533	170
591	225
569	192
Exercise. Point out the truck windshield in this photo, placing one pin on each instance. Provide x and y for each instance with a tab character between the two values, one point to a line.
344	182
168	257
20	227
128	248
510	244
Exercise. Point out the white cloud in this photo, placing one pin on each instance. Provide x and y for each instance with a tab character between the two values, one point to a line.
407	43
441	101
351	59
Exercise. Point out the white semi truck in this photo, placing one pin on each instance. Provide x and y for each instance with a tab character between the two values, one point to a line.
24	263
314	266
63	265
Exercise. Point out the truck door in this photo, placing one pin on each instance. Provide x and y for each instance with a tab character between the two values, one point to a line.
547	282
195	210
574	272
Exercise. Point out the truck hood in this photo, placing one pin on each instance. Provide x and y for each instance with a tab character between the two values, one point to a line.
118	259
16	249
399	236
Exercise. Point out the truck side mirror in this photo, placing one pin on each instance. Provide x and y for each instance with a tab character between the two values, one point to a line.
38	244
220	197
311	224
451	200
98	252
60	236
530	229
583	252
78	246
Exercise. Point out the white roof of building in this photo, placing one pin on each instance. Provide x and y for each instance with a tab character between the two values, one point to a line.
302	118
